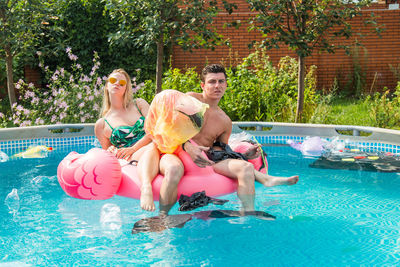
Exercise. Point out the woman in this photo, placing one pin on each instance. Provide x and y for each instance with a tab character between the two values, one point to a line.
120	130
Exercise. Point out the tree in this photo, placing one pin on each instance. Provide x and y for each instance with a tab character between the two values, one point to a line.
167	22
305	26
20	25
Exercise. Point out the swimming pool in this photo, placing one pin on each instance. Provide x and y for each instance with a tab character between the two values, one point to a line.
331	217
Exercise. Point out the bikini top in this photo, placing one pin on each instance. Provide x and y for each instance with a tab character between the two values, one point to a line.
126	136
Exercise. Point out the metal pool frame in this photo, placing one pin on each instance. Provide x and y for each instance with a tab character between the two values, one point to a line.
265	133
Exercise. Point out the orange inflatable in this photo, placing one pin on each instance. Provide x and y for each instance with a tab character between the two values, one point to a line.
173	118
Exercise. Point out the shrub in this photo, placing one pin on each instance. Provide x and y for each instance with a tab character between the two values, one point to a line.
258	91
69	97
385	110
173	79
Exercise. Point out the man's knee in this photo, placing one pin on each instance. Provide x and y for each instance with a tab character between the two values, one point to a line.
246	171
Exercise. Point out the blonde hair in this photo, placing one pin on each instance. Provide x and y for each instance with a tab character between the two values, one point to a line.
128	95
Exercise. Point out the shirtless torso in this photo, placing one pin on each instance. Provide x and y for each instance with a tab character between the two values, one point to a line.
217	125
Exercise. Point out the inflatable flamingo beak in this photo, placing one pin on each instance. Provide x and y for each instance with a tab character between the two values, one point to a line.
190	105
192	108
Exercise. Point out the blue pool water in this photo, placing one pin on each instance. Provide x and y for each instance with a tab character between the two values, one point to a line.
330	218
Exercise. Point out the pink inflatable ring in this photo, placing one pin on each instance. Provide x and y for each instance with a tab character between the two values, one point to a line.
97	174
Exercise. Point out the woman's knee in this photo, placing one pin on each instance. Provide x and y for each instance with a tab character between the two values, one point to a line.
172	169
173	174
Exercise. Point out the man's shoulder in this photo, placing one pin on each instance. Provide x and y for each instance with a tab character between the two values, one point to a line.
195	95
220	115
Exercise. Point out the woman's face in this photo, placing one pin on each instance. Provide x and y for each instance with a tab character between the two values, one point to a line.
116	84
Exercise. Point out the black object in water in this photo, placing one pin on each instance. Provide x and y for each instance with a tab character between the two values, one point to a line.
375	162
196	200
161	223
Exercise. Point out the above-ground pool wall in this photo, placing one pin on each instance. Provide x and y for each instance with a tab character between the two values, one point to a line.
279	133
265	133
47	131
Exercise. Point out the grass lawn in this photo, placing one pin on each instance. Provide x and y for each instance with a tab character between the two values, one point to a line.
351	112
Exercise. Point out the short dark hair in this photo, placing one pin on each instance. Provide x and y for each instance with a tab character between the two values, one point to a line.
213	68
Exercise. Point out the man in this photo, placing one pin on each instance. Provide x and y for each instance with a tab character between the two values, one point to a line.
217	127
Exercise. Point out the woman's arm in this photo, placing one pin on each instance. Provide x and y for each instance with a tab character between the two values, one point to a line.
127	152
100	134
143	106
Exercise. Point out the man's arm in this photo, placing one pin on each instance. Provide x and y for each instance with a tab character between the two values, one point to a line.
224	137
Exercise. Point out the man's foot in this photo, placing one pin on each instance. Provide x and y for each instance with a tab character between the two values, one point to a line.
282	181
146	198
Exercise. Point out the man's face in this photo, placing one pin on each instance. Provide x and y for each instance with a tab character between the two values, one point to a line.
214	85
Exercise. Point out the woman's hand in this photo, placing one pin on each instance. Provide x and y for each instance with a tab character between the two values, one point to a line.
112	149
125	153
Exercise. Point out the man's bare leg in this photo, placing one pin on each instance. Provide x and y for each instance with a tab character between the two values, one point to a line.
172	169
269	180
148	167
243	171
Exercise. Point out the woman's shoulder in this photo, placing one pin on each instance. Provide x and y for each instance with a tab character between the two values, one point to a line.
99	127
99	122
140	101
142	106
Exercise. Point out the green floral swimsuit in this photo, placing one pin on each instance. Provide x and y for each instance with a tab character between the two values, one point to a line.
126	136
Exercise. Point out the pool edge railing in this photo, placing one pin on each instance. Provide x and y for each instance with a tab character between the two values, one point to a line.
47	131
362	133
350	132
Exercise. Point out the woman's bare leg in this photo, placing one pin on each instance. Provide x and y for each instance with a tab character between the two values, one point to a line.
148	168
172	169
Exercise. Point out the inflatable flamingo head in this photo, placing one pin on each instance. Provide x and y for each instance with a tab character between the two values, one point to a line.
259	163
174	118
94	175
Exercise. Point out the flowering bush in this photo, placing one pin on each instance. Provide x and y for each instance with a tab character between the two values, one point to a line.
69	97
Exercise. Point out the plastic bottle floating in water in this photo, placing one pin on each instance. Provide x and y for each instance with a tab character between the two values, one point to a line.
12	201
110	217
3	157
34	152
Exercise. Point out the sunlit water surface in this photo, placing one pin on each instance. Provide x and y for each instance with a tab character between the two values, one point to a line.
330	218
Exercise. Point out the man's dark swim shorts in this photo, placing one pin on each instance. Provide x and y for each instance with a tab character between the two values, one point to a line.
226	152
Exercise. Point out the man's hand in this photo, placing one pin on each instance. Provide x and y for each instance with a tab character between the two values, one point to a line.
195	152
253	152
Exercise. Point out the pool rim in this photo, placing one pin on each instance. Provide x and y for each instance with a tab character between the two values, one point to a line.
386	136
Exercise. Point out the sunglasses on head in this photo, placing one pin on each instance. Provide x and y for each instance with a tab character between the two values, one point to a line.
113	80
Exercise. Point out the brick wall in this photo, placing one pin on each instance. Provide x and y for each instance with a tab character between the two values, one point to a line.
380	51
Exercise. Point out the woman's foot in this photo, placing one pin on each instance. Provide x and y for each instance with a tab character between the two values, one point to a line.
273	181
146	198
